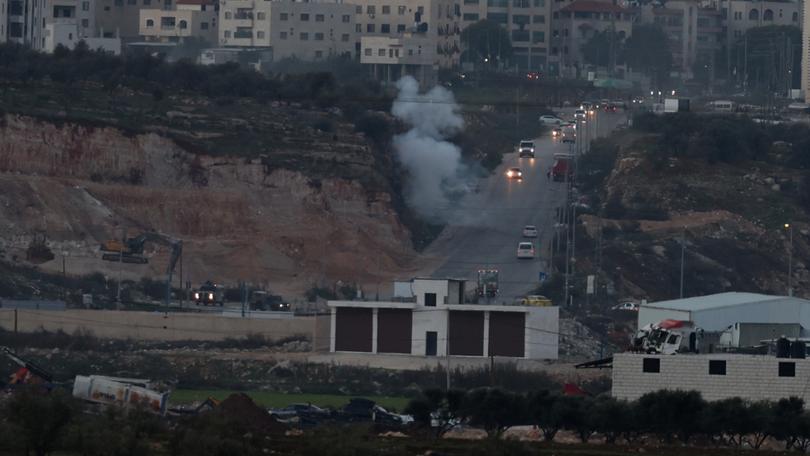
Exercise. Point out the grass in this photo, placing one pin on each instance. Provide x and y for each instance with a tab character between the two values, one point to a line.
277	400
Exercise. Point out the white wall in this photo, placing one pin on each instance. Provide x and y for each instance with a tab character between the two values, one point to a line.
422	286
429	319
543	333
748	376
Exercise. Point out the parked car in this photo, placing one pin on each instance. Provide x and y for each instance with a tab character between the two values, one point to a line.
536	300
627	306
525	250
301	411
550	120
530	231
514	173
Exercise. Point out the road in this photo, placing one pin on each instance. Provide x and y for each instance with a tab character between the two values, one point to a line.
486	227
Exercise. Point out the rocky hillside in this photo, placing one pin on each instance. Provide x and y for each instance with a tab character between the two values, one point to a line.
276	194
725	186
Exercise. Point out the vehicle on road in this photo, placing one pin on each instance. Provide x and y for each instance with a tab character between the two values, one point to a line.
487	283
629	306
569	139
530	231
561	167
514	173
550	120
263	301
556	132
610	108
568	124
536	300
525	250
526	149
209	294
585	105
668	337
579	114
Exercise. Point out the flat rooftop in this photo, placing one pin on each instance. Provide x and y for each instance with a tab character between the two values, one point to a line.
717	301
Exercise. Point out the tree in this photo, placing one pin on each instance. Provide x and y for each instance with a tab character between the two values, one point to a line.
39	418
612	418
670	414
435	406
597	50
487	44
574	414
542	414
763	49
493	409
647	50
785	424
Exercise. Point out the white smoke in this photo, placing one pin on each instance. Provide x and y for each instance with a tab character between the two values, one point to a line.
433	163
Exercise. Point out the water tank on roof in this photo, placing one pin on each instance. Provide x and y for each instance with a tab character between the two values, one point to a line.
783	348
798	349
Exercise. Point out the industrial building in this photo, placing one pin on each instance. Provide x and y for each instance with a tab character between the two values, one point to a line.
715	376
715	313
429	317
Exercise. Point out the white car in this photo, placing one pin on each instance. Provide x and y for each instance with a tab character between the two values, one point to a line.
631	306
579	114
550	120
526	149
525	250
530	231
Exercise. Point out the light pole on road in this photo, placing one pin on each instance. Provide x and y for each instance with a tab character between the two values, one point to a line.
789	227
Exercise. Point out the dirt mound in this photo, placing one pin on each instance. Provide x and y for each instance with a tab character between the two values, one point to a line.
240	408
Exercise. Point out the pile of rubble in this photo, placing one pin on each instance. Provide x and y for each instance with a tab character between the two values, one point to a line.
579	343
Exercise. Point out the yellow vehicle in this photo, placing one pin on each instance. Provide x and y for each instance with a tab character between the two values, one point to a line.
536	300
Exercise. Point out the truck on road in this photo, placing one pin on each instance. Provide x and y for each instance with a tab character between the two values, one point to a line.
562	167
487	283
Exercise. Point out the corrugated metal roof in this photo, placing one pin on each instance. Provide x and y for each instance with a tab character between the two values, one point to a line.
716	301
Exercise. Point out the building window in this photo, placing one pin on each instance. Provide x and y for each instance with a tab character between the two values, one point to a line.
368	51
203	25
150	23
319	18
318	54
304	36
787	369
358	28
358	9
227	34
498	3
540	3
167	23
400	28
371	9
430	298
539	19
520	19
132	2
500	18
344	37
304	17
260	34
282	35
386	9
795	17
85	23
470	17
183	24
538	37
385	28
369	28
767	15
651	365
282	16
381	52
228	15
753	15
85	6
260	16
319	36
119	2
520	35
717	367
401	10
346	18
520	3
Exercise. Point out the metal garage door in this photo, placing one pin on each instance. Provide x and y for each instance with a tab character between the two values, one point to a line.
394	330
353	329
467	333
507	334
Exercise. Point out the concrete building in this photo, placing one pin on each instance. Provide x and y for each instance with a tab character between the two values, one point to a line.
4	20
388	59
696	32
433	319
574	24
438	20
742	15
528	23
805	20
719	311
120	18
189	18
716	376
305	30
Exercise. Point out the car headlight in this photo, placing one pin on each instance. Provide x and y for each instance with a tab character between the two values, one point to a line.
211	296
196	296
509	173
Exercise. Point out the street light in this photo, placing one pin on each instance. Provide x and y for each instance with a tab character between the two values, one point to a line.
790	259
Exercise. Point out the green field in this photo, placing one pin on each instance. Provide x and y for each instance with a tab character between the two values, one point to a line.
277	400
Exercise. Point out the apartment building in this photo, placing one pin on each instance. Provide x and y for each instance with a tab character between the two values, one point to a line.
305	30
121	17
806	55
528	23
742	15
190	18
3	21
437	20
577	22
696	33
389	58
46	24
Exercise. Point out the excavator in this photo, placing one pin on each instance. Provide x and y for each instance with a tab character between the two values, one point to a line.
28	372
130	250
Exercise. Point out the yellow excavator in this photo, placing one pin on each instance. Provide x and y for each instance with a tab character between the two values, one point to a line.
130	250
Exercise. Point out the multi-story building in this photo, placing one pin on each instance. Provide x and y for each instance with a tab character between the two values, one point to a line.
527	21
742	15
121	17
190	18
3	21
388	59
46	24
438	20
305	30
696	33
806	55
577	22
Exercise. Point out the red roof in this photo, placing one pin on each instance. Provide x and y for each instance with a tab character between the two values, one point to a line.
593	6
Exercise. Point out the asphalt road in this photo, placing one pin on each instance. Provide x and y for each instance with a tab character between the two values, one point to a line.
486	226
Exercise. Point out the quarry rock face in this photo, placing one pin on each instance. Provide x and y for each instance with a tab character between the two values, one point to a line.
241	218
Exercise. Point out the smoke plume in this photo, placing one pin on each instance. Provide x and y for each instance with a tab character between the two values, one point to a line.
434	164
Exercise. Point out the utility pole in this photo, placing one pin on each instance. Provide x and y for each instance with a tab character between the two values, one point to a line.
447	347
120	271
789	227
683	248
